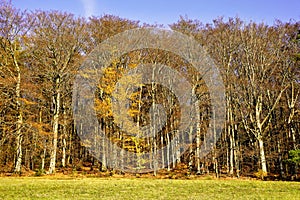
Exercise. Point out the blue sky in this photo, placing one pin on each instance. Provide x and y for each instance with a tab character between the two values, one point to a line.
168	11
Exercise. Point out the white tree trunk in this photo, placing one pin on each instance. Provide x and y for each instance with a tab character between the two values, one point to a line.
168	152
64	142
262	155
198	132
190	164
236	154
63	160
55	129
43	159
19	153
103	160
19	123
259	134
231	152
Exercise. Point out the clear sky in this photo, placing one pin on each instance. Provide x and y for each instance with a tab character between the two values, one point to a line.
168	11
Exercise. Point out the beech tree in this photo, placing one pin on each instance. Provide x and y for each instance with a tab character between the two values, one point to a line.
14	25
56	45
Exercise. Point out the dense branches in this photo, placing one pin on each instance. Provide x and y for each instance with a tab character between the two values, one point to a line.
41	52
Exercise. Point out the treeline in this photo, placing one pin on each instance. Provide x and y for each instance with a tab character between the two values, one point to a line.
41	52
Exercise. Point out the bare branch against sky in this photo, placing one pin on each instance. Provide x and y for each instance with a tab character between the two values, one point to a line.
168	11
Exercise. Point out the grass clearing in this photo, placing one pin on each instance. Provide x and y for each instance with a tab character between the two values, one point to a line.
143	188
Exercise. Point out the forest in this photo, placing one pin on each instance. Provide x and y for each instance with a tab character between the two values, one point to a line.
42	51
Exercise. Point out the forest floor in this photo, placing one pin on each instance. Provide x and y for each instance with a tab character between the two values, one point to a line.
114	187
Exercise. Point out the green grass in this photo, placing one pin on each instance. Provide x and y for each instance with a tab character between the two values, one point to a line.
144	188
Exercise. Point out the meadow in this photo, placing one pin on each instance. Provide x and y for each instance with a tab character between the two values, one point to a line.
143	188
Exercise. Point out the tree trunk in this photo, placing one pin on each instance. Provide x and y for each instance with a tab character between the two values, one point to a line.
190	158
231	156
43	158
231	140
262	155
63	160
153	126
19	123
198	142
259	133
236	154
19	154
280	160
104	146
64	142
168	152
55	128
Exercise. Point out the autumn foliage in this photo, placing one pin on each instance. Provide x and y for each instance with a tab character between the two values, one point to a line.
41	52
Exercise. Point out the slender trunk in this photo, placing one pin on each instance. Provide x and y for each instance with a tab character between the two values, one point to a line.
153	126
295	147
291	103
162	152
19	154
139	134
173	149
198	132
236	153
190	161
227	161
45	146
168	151
231	155
55	127
262	155
103	161
231	140
280	160
64	142
215	160
122	152
259	134
70	145
178	159
19	123
43	158
216	165
63	159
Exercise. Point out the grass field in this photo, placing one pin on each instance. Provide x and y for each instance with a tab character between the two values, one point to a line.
143	188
